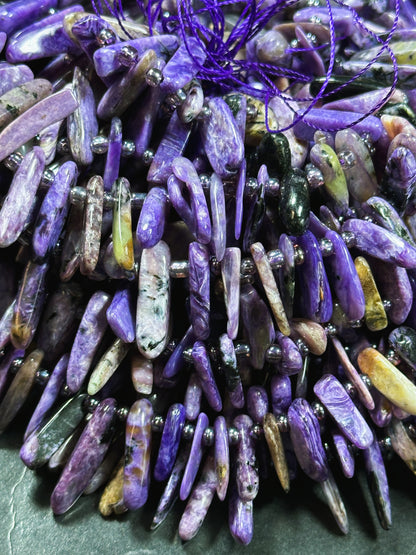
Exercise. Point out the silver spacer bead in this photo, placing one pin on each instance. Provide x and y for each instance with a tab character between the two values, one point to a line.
326	247
106	37
330	329
157	423
128	148
108	200
42	376
294	43
272	187
233	436
273	354
187	356
350	389
204	113
77	195
215	266
248	268
242	350
393	357
48	178
299	255
387	304
208	436
13	161
179	269
318	410
347	159
251	186
90	404
99	144
314	176
16	364
188	431
148	156
256	432
177	98
385	445
283	423
356	323
137	200
205	180
66	392
366	380
349	238
122	413
303	348
154	77
251	112
63	146
276	259
128	56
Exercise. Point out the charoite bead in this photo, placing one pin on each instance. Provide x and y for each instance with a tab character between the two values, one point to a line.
169	443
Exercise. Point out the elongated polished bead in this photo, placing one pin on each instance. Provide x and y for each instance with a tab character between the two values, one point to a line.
344	455
152	219
203	369
222	456
93	217
246	470
231	372
377	481
153	301
375	314
107	365
199	289
336	505
239	199
294	204
230	272
195	457
120	315
19	389
402	444
21	98
183	66
21	196
312	333
85	459
218	216
16	15
193	396
111	501
71	251
122	230
269	283
276	448
141	374
90	332
176	361
394	285
29	304
388	379
5	324
240	518
6	366
287	274
169	443
137	456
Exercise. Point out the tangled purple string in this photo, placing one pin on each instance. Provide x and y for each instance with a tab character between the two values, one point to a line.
222	68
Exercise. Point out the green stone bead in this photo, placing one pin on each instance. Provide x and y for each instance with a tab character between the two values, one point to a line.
358	86
325	158
274	151
294	205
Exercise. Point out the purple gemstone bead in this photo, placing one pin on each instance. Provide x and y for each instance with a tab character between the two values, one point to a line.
344	455
5	324
175	362
231	373
222	456
382	412
394	285
199	289
112	163
137	455
291	361
87	31
240	518
257	403
217	205
348	418
121	315
193	396
49	395
203	369
90	332
152	219
183	66
287	274
169	443
239	199
13	76
87	456
17	15
195	457
281	394
377	482
306	440
246	470
230	271
335	503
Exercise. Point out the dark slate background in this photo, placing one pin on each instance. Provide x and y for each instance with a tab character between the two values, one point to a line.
299	522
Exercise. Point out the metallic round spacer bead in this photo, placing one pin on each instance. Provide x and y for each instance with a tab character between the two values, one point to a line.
208	436
48	178
128	56
179	269
246	279
148	156
16	364
90	404
256	432
386	445
273	354
272	187
158	423
251	112
248	268
393	357
108	200
242	350
106	37
42	376
299	255
188	431
330	329
314	176
318	410
276	259
387	304
128	148
366	380
326	247
303	348
77	195
349	238
137	200
13	161
347	159
177	98
154	77
233	436
350	389
66	392
99	144
205	180
356	323
187	355
204	113
283	423
294	43
215	266
122	413
62	146
251	186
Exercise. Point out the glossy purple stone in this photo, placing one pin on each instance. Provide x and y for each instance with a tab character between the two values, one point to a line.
137	454
377	482
382	412
87	456
335	503
16	15
246	468
287	274
344	279
53	211
199	289
152	219
87	32
218	216
344	454
381	243
257	403
121	315
90	332
193	396
195	457
112	163
315	293
239	199
306	440
258	324
176	361
394	285
240	518
222	456
183	65
291	360
203	369
49	395
13	76
281	394
169	444
348	418
231	372
230	271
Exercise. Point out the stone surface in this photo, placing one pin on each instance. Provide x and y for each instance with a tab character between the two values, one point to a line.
378	484
375	314
344	455
247	476
230	271
207	381
107	365
221	456
152	219
93	217
21	98
169	442
199	289
231	372
122	226
120	315
276	448
195	457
